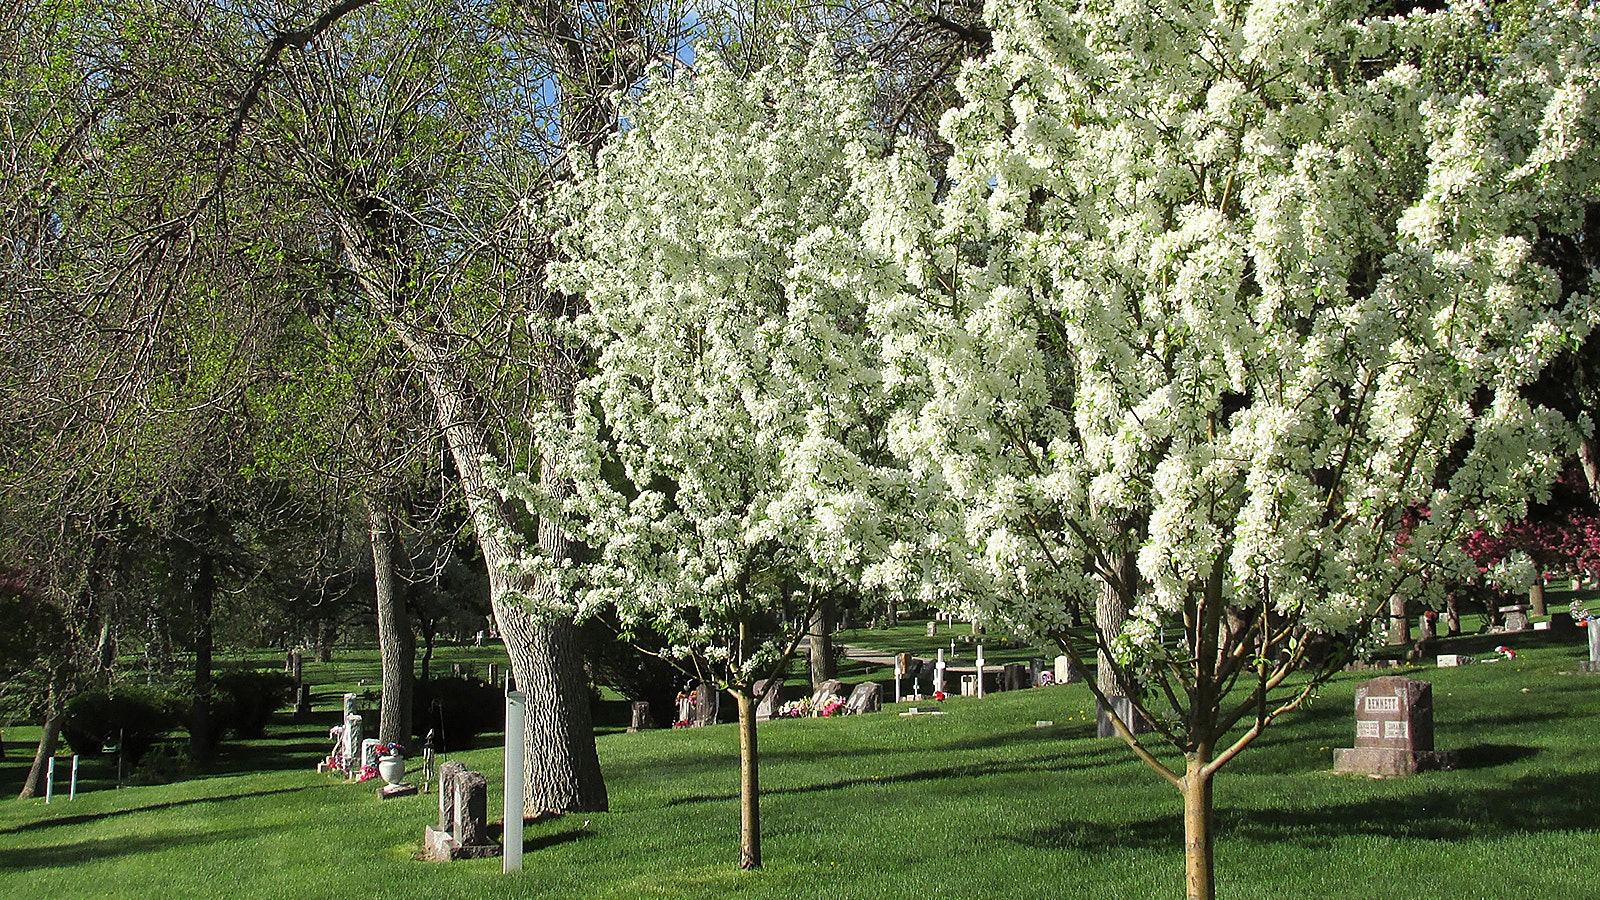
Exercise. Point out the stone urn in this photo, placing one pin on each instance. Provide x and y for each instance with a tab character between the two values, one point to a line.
392	769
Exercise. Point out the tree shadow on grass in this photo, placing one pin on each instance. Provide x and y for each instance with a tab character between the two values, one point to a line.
1533	804
79	852
1053	763
133	810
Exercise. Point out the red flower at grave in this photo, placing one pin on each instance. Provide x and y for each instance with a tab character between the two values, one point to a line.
938	695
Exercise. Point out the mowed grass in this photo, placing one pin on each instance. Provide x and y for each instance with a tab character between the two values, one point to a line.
978	803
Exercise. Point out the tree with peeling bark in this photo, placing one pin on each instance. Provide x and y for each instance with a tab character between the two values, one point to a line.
1231	314
724	435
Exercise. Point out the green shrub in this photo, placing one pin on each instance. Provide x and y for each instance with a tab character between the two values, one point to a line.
163	764
243	702
132	715
457	709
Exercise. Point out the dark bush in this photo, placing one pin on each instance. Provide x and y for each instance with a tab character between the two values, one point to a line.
242	703
134	715
457	709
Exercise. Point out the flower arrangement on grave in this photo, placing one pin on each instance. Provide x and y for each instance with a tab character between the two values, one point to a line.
834	707
1044	679
938	695
393	748
795	709
367	773
681	723
1505	651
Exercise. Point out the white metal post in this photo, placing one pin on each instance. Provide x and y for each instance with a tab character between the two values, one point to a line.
516	727
72	793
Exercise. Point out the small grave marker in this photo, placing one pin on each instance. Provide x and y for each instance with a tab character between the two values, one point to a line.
867	697
1394	730
769	698
641	717
1515	618
1592	667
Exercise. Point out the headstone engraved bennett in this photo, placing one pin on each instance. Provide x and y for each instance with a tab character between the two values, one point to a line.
1394	730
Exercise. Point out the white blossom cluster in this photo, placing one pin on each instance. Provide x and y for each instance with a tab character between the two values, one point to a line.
727	450
1248	289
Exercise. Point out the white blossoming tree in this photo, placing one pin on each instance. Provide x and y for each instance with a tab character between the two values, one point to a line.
1229	314
727	454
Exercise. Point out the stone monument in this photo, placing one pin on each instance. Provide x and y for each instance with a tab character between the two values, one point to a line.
867	697
1592	667
463	829
1394	730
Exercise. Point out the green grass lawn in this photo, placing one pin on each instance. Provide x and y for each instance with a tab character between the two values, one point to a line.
978	803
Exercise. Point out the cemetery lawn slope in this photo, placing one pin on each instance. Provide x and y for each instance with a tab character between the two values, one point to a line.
978	803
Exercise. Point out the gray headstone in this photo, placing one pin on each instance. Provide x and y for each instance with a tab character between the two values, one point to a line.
641	717
828	690
472	809
449	774
933	629
707	704
769	698
1123	709
1515	618
1593	665
867	697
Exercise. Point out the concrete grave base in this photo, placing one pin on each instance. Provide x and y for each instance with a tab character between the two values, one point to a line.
1391	763
403	789
440	846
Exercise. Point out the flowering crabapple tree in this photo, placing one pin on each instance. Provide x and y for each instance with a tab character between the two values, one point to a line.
727	454
1223	295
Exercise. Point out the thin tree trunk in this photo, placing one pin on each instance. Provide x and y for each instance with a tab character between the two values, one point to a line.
749	783
1536	598
1452	615
823	667
200	719
1199	864
33	785
396	644
892	614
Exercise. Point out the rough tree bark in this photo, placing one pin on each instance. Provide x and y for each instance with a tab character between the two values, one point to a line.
820	639
396	643
33	785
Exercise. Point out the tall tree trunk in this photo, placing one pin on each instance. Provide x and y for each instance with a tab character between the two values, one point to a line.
1110	614
396	644
1589	455
749	782
891	616
1536	598
562	764
1452	615
1198	803
33	785
823	667
202	601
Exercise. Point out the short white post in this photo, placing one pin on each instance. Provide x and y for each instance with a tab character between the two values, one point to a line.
898	674
49	779
938	672
72	793
511	834
980	671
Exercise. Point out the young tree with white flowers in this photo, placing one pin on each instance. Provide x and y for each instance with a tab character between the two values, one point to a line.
1229	314
726	456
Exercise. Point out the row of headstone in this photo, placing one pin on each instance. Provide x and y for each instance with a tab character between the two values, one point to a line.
463	828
